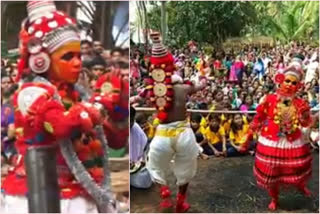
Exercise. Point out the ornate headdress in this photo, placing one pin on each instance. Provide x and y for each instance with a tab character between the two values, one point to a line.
43	32
294	68
159	84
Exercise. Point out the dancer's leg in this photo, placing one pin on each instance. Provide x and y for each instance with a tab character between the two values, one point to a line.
302	188
182	205
165	195
274	193
158	164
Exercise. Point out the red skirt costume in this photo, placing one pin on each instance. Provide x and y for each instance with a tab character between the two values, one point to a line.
282	157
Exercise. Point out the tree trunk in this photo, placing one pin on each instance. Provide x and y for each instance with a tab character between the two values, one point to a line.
109	9
69	7
12	14
163	20
146	24
103	22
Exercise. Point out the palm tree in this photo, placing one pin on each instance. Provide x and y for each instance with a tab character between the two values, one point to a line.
289	20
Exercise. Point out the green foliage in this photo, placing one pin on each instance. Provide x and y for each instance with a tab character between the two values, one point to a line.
210	22
214	22
288	20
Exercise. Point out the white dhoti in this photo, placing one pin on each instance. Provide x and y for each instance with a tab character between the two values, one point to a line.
174	141
19	204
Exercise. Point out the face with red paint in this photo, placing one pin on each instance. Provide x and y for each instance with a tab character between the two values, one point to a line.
66	63
290	85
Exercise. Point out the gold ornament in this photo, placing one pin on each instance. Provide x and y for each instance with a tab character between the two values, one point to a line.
158	75
106	87
160	89
161	102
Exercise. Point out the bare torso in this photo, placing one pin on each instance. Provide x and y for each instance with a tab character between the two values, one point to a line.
178	110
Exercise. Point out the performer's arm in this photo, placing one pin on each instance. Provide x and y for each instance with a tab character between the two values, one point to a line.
42	111
198	85
304	114
138	97
60	123
259	118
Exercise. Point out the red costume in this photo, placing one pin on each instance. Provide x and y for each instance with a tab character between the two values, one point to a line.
113	94
49	108
159	89
282	157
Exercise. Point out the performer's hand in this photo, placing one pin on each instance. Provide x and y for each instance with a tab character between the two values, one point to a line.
95	112
81	116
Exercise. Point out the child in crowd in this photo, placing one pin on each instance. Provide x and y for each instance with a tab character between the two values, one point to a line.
216	136
237	137
199	131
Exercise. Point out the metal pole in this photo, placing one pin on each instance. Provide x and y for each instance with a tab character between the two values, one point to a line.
147	109
43	189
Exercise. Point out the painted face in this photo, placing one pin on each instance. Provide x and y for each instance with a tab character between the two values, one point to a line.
289	85
66	63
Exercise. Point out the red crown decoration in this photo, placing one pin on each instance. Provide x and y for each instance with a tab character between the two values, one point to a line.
159	84
42	33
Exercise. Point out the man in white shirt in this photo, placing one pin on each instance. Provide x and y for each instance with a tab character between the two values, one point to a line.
139	175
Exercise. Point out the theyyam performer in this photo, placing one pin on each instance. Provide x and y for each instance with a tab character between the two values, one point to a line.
282	157
174	138
49	108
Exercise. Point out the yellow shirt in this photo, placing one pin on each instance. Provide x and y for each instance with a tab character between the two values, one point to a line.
213	137
226	126
245	120
203	122
202	130
239	138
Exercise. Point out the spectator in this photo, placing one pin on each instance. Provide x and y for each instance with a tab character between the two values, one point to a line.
97	47
139	175
86	51
216	137
237	137
98	66
117	55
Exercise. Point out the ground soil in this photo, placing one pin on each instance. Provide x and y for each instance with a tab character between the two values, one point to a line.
227	185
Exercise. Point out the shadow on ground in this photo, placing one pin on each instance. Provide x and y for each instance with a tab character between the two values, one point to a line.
228	185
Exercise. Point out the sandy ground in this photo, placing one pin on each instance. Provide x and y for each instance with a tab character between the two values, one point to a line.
228	185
